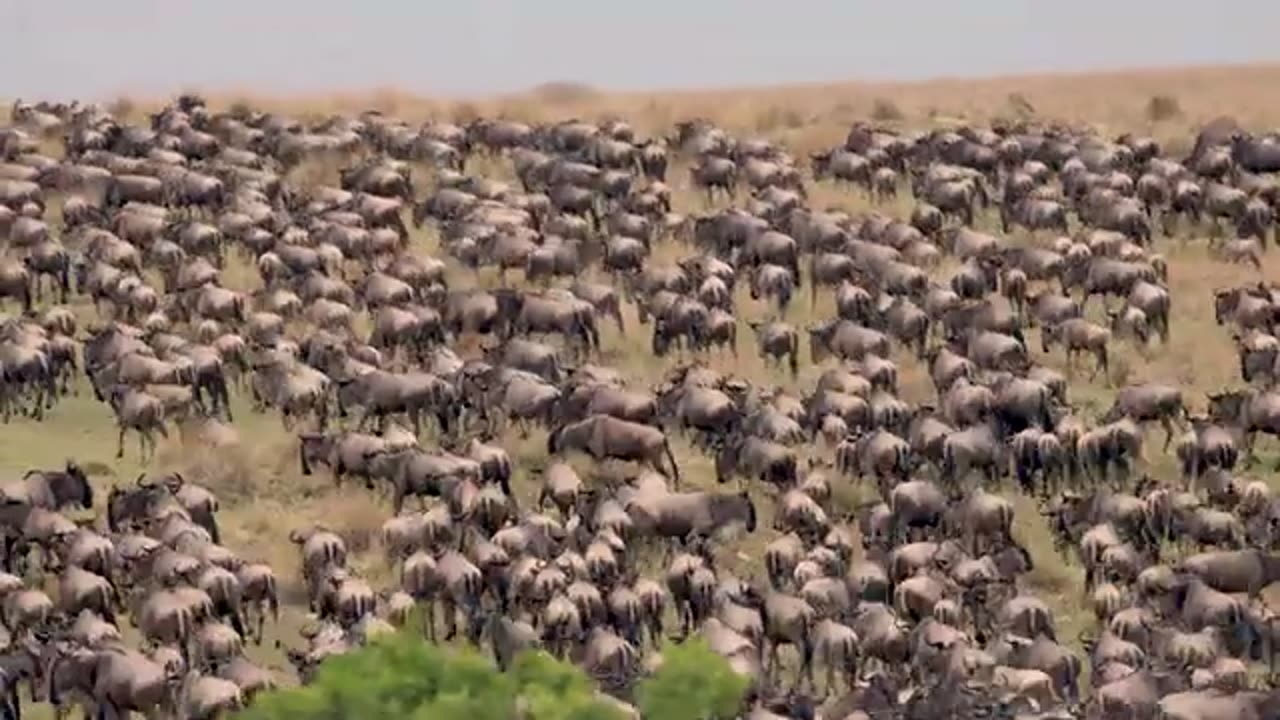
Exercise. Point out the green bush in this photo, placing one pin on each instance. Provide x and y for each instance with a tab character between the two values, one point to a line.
399	677
553	690
396	676
693	683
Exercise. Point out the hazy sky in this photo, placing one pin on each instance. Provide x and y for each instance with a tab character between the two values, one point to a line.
99	48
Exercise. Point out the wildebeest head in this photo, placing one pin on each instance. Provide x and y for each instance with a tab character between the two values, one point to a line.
126	506
1226	406
174	482
553	440
819	335
75	480
313	447
1014	560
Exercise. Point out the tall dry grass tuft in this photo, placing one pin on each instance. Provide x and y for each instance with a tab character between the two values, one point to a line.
1020	106
122	107
1162	108
775	118
886	110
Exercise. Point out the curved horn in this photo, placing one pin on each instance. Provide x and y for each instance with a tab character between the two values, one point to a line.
141	484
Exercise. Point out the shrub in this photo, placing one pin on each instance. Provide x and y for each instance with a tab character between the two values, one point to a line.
693	683
465	112
241	109
1163	107
884	110
395	677
776	117
1020	106
399	677
122	107
386	100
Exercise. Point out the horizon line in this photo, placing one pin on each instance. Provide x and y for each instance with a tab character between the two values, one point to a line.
1153	70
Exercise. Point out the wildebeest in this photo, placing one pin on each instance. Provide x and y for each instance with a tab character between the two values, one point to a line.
604	437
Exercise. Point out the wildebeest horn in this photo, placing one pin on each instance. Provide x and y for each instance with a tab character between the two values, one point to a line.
147	484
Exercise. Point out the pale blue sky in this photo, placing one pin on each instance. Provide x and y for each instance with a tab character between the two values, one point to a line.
98	48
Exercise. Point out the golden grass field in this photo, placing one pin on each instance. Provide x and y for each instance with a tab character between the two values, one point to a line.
264	494
818	115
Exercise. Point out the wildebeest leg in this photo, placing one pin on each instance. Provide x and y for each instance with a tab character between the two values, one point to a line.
364	419
806	661
429	619
222	399
1026	481
771	666
237	622
37	406
451	620
397	497
197	400
119	443
10	546
1249	458
1167	422
686	619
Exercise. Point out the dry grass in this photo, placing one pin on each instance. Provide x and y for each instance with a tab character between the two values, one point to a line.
810	116
265	495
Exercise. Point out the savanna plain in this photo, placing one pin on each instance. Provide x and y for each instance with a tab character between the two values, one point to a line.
254	470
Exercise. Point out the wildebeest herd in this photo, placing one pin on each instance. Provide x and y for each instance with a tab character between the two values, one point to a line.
448	294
